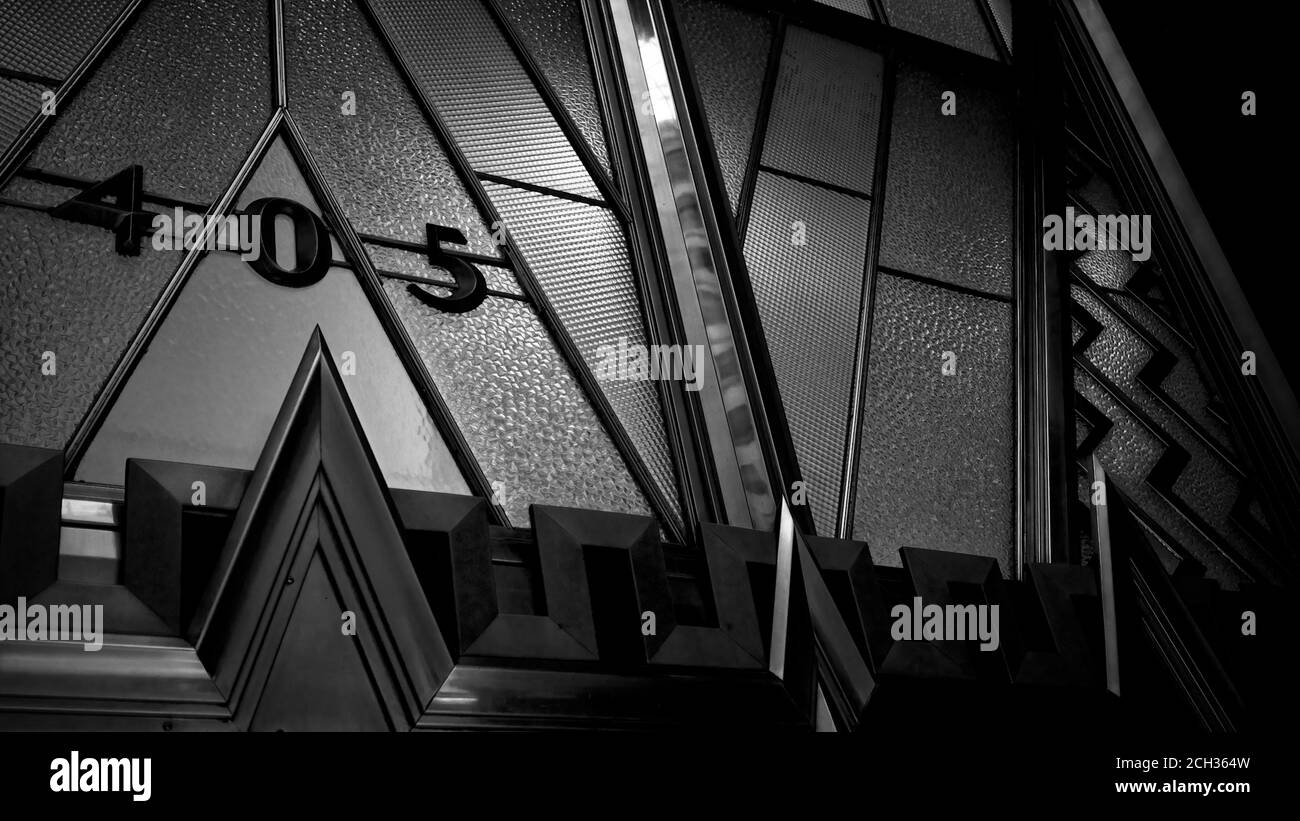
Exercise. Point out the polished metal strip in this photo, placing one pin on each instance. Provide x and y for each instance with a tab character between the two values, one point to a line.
1106	582
91	512
781	595
531	286
697	270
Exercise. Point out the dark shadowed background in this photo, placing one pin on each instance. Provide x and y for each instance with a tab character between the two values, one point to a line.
1194	60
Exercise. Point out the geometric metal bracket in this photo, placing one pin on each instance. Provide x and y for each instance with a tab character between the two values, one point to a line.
31	493
157	496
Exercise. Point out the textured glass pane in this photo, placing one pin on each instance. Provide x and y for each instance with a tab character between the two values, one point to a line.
809	298
1110	268
949	195
214	377
955	22
1128	453
524	416
1183	384
1117	351
555	35
577	253
495	114
49	37
212	382
858	7
399	261
1207	484
384	163
171	96
19	102
825	111
65	290
937	451
728	50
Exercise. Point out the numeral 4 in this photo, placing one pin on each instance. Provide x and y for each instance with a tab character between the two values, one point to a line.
124	216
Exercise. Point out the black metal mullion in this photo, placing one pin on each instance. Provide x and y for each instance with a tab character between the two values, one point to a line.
530	284
870	265
770	75
558	110
1041	331
68	181
28	77
790	175
279	75
964	290
542	189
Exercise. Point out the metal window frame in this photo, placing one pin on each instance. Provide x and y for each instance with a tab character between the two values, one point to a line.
1043	421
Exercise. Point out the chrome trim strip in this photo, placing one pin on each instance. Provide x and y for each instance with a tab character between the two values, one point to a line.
688	229
91	512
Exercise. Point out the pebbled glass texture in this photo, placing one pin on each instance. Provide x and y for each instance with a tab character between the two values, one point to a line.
400	261
937	467
728	50
858	7
463	62
213	379
1128	453
1004	20
578	255
385	165
1110	268
66	290
809	298
1183	383
1207	483
825	114
955	22
555	35
50	37
949	195
33	192
1118	351
19	102
519	407
210	386
171	96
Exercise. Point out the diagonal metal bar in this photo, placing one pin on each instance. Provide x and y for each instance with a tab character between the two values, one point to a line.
528	281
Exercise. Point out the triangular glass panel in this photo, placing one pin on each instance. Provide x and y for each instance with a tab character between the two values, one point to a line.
383	162
72	301
728	51
209	386
555	35
392	191
496	115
